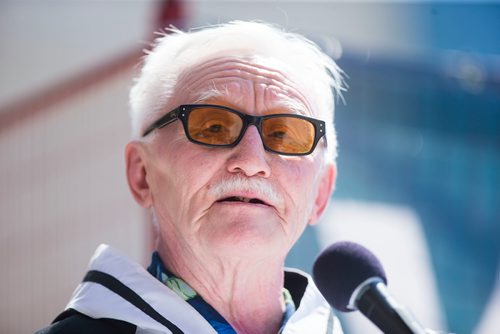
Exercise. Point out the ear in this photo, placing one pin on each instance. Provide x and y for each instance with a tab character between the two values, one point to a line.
136	173
325	189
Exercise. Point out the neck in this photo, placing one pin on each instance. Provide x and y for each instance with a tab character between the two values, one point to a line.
248	294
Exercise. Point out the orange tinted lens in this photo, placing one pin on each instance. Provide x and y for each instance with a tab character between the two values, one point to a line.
288	134
214	126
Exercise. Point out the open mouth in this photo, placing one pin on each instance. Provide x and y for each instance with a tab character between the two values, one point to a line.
242	199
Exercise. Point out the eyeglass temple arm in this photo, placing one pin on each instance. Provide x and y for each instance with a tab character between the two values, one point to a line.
163	121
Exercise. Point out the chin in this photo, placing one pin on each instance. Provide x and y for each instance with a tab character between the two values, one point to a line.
248	242
244	234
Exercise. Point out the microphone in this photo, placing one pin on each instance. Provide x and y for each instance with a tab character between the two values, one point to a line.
350	277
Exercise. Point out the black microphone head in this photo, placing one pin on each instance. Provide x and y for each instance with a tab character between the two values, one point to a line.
341	268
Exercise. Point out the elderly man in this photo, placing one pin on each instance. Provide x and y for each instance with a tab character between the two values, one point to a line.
233	152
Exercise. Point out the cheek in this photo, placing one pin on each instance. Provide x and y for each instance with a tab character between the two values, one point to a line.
186	168
301	180
301	184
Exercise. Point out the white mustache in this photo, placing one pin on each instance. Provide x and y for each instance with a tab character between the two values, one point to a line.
257	187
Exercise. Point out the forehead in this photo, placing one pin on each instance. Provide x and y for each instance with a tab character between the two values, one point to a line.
244	81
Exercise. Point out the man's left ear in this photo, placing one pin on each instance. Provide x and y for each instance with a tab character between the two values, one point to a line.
325	189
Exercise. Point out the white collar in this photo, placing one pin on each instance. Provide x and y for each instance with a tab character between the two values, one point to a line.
312	316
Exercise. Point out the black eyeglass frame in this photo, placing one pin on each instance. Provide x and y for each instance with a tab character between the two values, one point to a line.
182	113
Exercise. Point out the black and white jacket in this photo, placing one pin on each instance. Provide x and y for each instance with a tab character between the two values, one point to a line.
119	296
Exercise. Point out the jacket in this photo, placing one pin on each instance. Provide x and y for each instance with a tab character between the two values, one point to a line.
118	295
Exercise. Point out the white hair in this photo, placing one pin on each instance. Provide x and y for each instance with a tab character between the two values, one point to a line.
317	76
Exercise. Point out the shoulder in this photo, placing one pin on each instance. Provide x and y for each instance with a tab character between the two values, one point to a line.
73	322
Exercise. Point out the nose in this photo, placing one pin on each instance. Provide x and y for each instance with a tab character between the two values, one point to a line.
249	156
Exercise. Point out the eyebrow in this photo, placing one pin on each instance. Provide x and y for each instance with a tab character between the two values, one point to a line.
209	94
292	105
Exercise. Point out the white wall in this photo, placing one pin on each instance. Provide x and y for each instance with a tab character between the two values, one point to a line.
63	192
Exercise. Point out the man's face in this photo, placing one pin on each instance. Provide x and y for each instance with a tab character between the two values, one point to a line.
242	200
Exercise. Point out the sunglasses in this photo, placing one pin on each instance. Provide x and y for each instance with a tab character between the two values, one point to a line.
219	126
